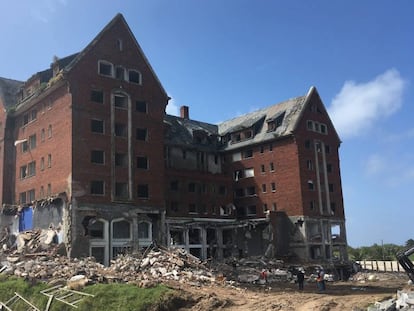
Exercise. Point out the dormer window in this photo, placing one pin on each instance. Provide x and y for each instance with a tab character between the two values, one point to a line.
105	68
248	134
274	122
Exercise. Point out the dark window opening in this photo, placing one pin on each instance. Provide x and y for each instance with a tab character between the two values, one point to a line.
141	134
248	154
121	230
121	190
97	187
97	156
97	96
142	162
135	76
121	130
121	101
120	73
105	69
121	159
143	191
174	185
141	106
97	126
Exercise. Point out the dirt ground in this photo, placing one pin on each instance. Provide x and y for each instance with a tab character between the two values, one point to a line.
350	295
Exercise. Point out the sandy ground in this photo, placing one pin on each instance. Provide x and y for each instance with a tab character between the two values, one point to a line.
350	295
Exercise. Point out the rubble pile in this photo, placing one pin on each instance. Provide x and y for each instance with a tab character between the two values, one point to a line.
34	256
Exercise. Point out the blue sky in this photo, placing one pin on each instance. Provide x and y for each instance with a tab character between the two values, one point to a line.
224	58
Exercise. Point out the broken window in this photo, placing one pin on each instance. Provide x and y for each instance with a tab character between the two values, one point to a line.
105	68
97	126
273	186
135	76
176	237
251	210
248	154
141	106
211	236
227	237
263	188
251	190
142	162
97	187
97	157
309	165
121	159
335	231
141	134
121	130
121	190
333	208
235	137
272	167
97	96
96	228
248	134
194	236
143	191
192	208
121	229
120	101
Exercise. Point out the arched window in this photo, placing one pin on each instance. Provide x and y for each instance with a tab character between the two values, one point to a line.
134	76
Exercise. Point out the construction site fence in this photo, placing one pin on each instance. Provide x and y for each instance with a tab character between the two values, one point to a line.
381	265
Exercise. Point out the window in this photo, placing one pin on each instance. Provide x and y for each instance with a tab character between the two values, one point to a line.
329	168
307	144
274	206
273	186
236	156
42	135
270	147
121	190
333	208
251	210
49	160
310	125
141	134
248	154
134	76
174	206
121	229
310	185
141	106
238	174
33	115
261	149
120	101
49	189
97	96
42	191
142	162
309	165
265	207
25	119
174	185
49	131
42	163
331	188
192	208
327	149
191	187
120	73
97	157
97	187
32	141
184	154
22	197
249	172
105	68
250	190
142	191
312	205
119	44
239	192
263	188
97	126
262	168
31	195
23	171
222	190
272	167
31	169
121	159
121	130
25	146
323	128
143	230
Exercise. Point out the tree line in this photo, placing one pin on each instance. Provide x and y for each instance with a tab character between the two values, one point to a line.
378	252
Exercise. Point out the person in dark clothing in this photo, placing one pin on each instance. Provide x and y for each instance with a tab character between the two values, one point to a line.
301	278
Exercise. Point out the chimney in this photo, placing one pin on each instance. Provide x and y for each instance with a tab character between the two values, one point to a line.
184	113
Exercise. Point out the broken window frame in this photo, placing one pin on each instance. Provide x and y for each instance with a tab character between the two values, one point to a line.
145	240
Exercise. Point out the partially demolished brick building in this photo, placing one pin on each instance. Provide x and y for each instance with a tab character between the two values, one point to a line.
86	147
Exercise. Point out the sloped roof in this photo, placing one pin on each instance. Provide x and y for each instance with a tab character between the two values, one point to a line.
291	108
180	131
8	91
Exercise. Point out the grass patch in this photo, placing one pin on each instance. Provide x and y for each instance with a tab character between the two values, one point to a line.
121	297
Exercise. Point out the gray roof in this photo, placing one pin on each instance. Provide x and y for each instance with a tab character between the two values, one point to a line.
181	131
9	90
291	109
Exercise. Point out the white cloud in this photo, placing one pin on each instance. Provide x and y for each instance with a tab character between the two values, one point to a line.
357	106
172	108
